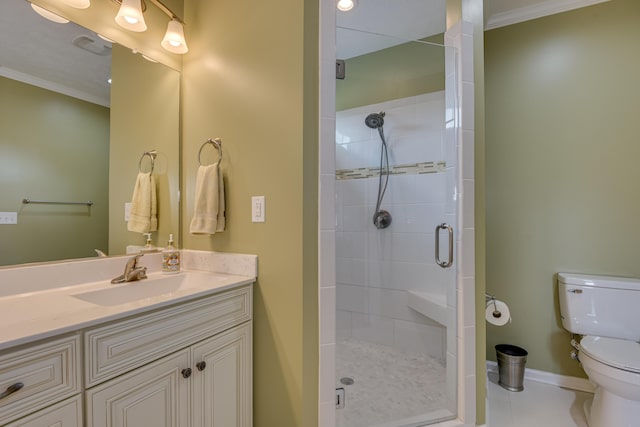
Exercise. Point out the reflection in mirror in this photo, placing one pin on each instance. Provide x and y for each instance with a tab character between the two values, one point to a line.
66	135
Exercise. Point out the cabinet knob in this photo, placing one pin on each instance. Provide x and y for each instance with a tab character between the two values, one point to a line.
186	373
11	389
201	365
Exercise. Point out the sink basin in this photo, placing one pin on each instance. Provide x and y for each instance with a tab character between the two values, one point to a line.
142	289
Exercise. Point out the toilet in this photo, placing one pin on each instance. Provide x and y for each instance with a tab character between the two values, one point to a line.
605	310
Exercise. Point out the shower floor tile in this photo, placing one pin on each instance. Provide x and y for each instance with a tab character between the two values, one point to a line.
389	385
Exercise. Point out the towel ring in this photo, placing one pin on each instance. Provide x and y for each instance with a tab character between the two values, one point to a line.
216	142
152	155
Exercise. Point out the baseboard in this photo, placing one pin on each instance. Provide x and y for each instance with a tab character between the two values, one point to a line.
564	381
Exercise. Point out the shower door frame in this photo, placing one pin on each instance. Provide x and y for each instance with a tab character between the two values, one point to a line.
460	36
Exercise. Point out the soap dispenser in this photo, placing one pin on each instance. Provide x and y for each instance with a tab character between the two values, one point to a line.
148	246
170	258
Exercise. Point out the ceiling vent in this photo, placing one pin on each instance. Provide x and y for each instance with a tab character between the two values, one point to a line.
92	45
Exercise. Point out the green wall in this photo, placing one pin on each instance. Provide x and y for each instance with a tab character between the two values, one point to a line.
52	147
145	113
562	104
397	72
251	78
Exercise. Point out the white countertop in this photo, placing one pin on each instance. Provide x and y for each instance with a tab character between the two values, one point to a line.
46	312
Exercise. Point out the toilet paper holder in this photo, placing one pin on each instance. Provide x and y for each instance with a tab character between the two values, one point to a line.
496	313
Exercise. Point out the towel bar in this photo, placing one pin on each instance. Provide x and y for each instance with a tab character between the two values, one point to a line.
152	155
216	142
40	202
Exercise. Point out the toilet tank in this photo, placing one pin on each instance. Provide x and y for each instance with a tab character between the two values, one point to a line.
605	306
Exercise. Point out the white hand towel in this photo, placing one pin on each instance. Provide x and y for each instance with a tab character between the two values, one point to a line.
144	206
208	211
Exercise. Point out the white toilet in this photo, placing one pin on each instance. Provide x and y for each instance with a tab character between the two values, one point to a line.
606	311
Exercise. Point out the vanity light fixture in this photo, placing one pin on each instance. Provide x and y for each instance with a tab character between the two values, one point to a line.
78	4
173	40
49	15
107	39
130	16
148	58
346	5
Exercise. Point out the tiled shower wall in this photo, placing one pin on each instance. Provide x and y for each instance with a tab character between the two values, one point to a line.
375	268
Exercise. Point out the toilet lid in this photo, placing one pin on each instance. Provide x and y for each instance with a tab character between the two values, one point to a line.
621	354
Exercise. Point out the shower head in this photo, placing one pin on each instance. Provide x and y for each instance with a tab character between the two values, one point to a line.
375	120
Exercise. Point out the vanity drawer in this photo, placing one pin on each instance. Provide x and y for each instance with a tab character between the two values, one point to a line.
48	372
125	345
63	414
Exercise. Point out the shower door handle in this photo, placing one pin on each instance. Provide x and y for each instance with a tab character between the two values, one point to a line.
449	262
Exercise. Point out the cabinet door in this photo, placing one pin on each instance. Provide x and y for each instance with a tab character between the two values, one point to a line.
154	395
64	414
222	389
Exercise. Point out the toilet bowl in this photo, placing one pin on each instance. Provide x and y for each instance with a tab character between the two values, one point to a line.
613	366
605	310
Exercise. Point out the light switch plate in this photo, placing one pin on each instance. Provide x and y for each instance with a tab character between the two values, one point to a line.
257	209
127	211
8	217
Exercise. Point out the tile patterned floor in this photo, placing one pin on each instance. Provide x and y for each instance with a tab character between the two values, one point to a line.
389	385
538	405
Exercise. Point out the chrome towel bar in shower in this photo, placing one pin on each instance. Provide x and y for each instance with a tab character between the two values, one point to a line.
41	202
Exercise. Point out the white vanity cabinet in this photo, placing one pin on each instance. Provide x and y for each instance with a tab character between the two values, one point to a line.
187	365
36	376
208	384
67	413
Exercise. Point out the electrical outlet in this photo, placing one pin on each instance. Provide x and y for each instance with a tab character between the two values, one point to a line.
257	209
8	217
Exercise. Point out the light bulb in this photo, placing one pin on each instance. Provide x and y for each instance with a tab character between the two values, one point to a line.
173	40
107	39
345	5
78	4
130	16
49	15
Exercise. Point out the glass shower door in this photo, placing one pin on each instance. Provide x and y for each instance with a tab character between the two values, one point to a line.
395	295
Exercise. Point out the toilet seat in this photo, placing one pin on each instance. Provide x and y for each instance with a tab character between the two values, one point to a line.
617	353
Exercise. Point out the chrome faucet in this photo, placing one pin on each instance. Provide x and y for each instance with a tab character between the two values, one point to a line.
132	271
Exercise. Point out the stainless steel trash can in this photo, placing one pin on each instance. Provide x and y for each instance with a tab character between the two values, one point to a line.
511	361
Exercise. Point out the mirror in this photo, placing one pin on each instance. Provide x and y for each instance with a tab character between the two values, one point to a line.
65	138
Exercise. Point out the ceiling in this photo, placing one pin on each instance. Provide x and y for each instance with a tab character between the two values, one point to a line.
359	30
500	13
40	52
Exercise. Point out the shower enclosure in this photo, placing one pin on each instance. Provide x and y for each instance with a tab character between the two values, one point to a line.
396	162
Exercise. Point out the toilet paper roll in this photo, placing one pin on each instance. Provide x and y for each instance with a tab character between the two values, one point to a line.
503	318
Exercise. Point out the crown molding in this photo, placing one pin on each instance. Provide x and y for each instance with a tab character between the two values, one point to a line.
534	11
54	87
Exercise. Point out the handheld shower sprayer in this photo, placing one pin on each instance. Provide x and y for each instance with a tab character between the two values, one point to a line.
381	217
375	120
